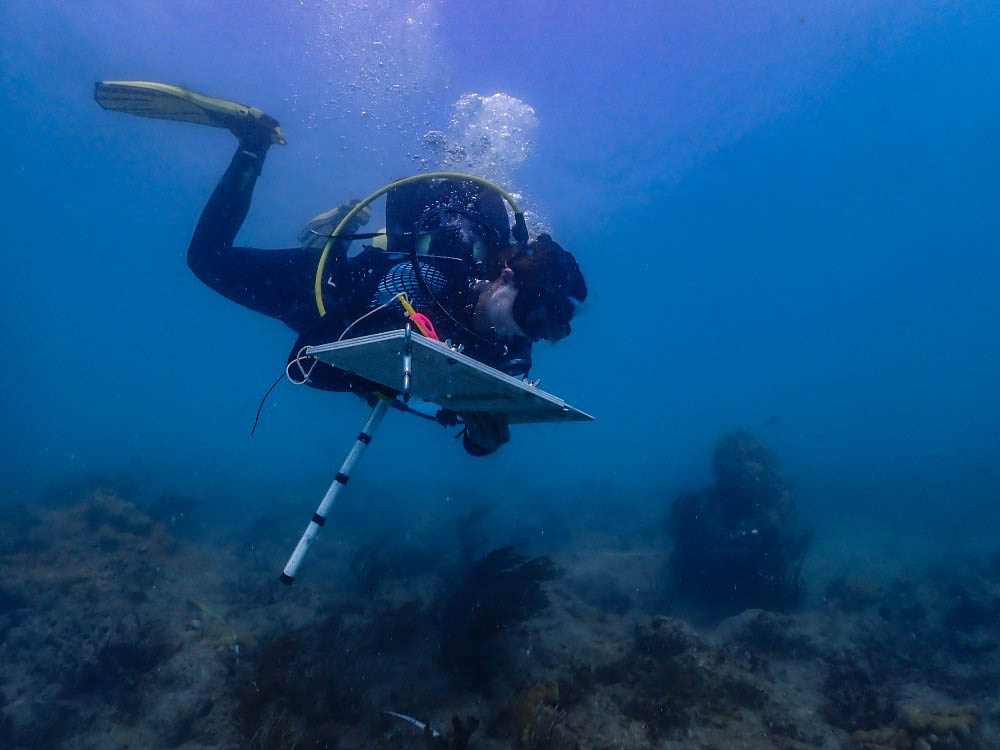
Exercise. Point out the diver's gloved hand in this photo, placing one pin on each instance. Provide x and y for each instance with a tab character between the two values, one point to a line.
319	228
360	219
484	432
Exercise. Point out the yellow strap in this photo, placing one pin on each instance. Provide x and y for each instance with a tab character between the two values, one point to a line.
318	282
406	305
410	312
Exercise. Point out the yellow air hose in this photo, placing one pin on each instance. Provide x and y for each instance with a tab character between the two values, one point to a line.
520	230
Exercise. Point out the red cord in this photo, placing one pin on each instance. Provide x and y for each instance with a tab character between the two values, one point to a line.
425	325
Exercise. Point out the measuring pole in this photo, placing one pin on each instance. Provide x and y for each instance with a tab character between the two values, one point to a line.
319	517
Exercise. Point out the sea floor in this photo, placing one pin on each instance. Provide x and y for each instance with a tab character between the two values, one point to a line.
123	627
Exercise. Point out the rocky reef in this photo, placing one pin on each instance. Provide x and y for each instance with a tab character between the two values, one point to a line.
737	544
119	630
919	728
95	632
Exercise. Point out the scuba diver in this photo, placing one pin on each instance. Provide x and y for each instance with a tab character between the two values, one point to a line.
446	246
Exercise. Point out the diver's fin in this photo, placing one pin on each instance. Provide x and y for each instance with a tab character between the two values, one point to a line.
165	102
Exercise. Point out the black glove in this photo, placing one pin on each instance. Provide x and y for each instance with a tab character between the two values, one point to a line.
316	232
484	432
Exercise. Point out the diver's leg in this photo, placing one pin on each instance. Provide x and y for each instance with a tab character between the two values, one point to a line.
276	283
227	209
210	251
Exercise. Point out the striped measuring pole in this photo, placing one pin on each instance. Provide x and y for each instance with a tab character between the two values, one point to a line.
319	517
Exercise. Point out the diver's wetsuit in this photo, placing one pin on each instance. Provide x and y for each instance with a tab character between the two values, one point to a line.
279	284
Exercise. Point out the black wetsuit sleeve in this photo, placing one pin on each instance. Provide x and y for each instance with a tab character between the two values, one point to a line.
276	283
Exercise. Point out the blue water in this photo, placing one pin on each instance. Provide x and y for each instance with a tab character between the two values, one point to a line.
783	209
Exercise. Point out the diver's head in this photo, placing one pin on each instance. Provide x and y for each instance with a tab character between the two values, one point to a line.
447	217
454	232
535	295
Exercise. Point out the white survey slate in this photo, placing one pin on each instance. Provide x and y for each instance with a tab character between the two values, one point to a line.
445	377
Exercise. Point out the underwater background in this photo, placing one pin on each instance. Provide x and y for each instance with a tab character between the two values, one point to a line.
786	213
